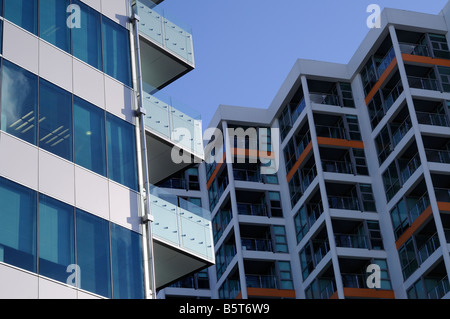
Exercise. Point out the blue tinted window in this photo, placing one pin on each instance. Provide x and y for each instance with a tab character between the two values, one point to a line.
55	120
87	40
53	23
121	151
89	135
92	253
116	51
56	238
23	13
127	266
17	225
19	102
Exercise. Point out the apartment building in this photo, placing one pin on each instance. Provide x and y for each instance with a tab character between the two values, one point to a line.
362	183
86	134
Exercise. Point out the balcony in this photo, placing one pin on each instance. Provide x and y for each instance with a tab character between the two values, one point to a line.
389	57
438	156
342	202
434	119
166	47
351	241
440	289
169	124
181	236
423	83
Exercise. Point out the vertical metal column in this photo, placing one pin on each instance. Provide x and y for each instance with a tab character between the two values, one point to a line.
147	218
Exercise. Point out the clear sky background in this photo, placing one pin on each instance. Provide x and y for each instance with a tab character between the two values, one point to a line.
244	49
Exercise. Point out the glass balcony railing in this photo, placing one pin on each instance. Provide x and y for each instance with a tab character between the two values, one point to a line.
418	208
321	251
423	83
392	96
401	131
440	290
435	119
386	61
438	156
257	244
174	121
156	25
342	167
247	175
181	223
341	202
261	281
442	194
325	98
410	168
414	49
351	241
428	248
331	131
252	209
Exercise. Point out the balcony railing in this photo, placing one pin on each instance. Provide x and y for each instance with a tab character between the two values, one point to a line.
306	139
386	61
401	131
435	119
181	223
392	96
328	290
252	209
423	83
438	156
156	25
351	241
440	290
325	98
321	251
341	202
298	110
314	210
415	49
442	194
410	168
428	248
174	121
421	204
261	281
246	175
342	167
257	244
331	131
308	178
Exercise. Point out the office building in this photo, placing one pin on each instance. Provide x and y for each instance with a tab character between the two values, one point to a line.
86	133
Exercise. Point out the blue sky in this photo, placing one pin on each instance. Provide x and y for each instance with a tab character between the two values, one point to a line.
244	49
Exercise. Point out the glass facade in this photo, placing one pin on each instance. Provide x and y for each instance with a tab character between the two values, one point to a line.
19	102
87	40
92	37
89	136
122	161
53	23
17	239
116	51
56	238
23	13
45	236
55	120
67	126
